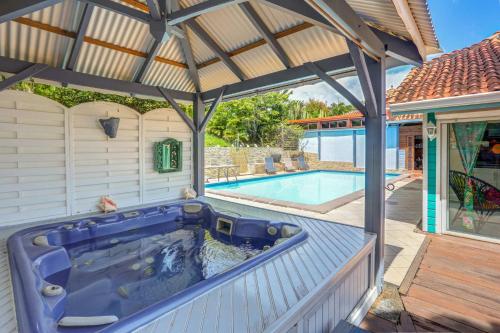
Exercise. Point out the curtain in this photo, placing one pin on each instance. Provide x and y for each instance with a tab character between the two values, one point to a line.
468	136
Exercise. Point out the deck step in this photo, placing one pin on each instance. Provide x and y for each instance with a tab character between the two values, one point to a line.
345	327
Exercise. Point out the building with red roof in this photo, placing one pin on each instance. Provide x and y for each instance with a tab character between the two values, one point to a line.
458	95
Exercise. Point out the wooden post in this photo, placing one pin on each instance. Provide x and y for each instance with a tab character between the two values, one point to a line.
375	167
198	145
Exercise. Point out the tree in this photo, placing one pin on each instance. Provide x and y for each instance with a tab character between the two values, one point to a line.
315	108
252	120
340	108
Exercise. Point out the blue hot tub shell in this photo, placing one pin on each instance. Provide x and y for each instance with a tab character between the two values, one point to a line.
32	264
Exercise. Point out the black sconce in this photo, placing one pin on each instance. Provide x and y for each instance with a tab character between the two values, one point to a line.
110	126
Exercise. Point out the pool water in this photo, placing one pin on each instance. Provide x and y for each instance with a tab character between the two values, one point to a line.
311	188
124	273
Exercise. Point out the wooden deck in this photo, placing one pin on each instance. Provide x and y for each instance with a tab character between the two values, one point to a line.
308	288
456	287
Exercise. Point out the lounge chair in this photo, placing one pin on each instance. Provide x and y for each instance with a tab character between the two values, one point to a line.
269	165
302	163
287	161
486	197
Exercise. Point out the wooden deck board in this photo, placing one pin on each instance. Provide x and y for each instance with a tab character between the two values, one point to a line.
263	296
457	287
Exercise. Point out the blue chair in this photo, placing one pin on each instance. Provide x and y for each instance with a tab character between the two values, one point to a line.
302	163
269	165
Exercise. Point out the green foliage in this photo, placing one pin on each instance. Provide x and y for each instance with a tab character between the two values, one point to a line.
252	120
315	108
70	97
213	141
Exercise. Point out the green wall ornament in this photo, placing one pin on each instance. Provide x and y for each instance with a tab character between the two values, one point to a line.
168	156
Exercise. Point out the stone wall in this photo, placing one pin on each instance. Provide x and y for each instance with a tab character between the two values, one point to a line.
315	164
248	159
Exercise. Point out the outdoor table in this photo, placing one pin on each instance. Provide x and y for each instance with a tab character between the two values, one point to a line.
225	169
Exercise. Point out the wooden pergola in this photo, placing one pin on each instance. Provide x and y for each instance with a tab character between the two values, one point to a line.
189	29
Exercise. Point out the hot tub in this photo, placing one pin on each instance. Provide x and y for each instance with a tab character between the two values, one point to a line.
117	272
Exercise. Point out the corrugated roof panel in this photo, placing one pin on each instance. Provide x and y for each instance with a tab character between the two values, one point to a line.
382	13
313	44
19	41
215	76
106	62
275	20
118	29
259	61
172	77
422	16
229	27
188	3
200	50
172	50
64	15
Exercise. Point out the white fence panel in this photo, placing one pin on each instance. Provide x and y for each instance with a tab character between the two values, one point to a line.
102	165
33	163
159	125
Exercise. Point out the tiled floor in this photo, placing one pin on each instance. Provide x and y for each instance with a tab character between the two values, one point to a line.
403	211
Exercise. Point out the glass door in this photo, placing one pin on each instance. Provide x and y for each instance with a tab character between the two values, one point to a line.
473	163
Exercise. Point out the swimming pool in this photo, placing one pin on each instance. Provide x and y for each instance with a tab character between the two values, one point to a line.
116	272
310	188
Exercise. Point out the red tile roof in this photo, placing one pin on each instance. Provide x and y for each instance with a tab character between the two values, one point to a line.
472	70
349	115
356	115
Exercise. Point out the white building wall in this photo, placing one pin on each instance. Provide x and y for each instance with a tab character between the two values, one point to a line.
309	145
338	147
57	162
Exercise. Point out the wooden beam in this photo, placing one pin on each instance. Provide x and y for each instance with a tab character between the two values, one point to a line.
348	22
205	37
360	62
12	9
93	41
186	14
290	31
341	64
396	48
404	12
316	70
60	75
188	55
22	75
166	94
154	9
211	112
153	51
264	31
116	7
80	35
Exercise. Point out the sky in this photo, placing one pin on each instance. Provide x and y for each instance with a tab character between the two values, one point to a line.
458	23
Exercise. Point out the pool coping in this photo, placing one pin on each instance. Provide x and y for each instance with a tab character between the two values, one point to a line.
321	208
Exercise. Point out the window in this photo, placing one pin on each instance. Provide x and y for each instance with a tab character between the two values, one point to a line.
325	125
357	122
342	123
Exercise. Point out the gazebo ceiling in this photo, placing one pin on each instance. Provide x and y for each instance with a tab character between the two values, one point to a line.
206	44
